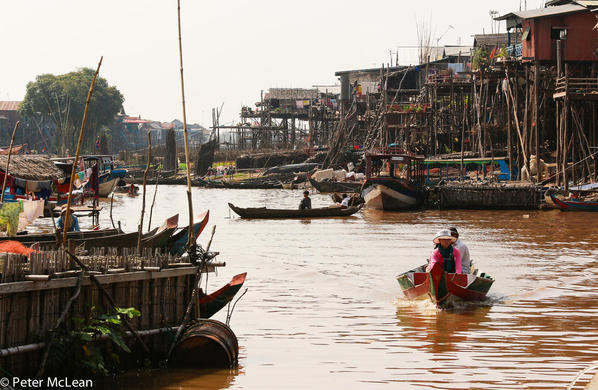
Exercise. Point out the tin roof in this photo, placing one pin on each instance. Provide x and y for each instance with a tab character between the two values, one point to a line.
10	105
543	12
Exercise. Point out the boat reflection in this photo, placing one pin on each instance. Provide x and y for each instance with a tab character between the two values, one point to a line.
180	379
439	331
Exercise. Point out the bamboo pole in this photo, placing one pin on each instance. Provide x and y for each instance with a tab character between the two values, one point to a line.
192	299
12	141
190	238
111	203
149	225
537	120
74	169
149	159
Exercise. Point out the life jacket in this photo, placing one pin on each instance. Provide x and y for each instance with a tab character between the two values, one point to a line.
449	264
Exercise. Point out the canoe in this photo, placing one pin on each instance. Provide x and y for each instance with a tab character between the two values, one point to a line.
443	288
336	186
156	238
178	241
263	212
32	238
574	205
211	304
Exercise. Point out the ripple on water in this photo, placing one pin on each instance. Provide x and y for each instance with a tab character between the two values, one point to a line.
324	309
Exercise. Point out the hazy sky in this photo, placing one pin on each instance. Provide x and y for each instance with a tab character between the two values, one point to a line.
232	49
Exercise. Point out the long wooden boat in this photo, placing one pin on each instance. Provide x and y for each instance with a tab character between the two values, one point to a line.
210	304
44	237
442	287
156	238
394	179
243	185
574	205
177	242
336	186
324	212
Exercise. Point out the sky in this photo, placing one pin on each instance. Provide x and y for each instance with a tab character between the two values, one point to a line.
232	49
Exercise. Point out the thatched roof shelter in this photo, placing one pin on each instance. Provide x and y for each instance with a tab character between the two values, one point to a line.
31	167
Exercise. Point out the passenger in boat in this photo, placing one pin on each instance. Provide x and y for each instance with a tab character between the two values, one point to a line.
72	223
463	249
346	201
445	254
305	202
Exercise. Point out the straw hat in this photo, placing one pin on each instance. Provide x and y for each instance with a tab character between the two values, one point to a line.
63	210
443	234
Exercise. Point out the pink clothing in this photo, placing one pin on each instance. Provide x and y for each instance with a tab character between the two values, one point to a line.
436	257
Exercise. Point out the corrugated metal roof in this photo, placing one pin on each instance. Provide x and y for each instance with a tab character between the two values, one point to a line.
588	3
9	105
454	51
292	93
543	12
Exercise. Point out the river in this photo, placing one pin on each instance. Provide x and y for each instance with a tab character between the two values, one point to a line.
324	310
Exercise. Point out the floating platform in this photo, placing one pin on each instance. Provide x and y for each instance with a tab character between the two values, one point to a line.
487	196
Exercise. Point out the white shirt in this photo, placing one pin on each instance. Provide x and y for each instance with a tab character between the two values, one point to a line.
465	260
345	202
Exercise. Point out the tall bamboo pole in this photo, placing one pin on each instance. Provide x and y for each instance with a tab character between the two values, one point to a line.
149	160
190	238
149	224
12	141
74	169
537	119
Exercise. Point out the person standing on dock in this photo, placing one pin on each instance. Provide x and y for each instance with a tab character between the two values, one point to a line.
305	202
463	249
445	254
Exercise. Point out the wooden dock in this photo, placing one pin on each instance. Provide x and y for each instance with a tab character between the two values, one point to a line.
35	292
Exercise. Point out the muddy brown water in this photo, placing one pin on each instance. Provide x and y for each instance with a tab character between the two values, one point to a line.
325	311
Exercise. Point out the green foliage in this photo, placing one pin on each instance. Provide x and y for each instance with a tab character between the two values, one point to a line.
81	352
481	59
62	99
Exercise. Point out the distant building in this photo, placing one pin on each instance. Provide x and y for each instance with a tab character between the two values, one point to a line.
9	115
571	22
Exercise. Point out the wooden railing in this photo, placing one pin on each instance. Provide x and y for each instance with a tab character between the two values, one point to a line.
576	85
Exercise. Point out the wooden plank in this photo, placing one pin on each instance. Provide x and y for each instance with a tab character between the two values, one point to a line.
15	287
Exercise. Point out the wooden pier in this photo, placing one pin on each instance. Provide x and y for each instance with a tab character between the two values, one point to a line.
35	292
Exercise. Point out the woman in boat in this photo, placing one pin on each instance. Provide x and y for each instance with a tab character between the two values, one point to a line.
445	254
72	223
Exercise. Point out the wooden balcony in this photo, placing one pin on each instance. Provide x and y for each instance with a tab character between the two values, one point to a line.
576	88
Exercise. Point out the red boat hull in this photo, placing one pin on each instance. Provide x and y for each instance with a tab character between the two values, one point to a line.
441	287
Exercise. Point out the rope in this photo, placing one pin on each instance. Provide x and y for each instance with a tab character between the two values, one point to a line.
579	162
593	366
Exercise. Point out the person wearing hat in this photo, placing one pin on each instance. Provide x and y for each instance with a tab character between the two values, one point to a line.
305	202
463	249
445	254
72	223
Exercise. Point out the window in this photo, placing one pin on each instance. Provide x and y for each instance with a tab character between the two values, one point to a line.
558	33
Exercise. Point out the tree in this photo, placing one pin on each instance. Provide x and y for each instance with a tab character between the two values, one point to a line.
62	99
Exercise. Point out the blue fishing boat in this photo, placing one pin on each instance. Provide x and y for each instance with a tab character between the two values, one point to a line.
574	204
108	175
394	179
177	242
